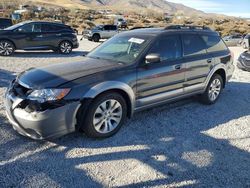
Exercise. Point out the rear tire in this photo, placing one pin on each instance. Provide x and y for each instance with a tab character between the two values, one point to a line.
7	48
213	90
96	38
65	47
105	116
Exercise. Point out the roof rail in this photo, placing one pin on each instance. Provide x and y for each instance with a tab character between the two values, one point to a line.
191	27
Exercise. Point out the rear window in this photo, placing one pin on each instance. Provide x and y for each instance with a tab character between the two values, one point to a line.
214	43
193	45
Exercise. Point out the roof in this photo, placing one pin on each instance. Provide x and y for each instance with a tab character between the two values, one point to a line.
26	22
174	29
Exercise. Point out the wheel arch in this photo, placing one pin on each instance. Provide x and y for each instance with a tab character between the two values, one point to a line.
114	86
96	34
218	69
68	40
222	73
9	41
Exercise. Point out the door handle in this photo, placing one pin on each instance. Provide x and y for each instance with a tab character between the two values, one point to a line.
209	61
58	34
177	67
39	36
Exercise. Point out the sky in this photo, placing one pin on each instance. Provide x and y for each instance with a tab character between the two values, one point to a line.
239	8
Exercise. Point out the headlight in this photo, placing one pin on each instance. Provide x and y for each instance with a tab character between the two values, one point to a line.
44	95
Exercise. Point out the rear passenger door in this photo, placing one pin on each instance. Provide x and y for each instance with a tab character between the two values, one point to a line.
106	32
198	63
51	34
113	30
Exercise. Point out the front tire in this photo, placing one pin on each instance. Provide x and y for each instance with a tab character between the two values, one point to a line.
7	48
65	47
96	38
105	116
213	90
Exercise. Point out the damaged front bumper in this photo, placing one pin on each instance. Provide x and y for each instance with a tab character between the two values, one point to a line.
39	125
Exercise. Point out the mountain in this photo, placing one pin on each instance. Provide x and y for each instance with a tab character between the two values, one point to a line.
146	5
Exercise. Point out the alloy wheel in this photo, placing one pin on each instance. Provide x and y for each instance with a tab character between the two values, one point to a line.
107	116
214	89
6	48
65	47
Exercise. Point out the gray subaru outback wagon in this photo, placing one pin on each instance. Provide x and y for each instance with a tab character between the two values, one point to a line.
132	71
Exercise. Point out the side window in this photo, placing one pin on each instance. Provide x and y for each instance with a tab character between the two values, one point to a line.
60	28
106	27
214	43
169	47
113	27
36	28
193	45
47	28
51	28
29	28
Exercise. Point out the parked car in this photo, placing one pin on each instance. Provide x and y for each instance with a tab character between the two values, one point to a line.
101	32
121	22
5	22
132	71
32	35
244	61
233	40
246	41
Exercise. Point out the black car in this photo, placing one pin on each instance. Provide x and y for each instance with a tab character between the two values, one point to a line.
5	22
244	61
132	71
38	36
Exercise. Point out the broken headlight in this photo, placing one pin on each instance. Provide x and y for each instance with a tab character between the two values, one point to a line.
45	95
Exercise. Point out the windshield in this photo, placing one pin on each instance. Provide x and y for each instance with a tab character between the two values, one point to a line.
15	26
124	49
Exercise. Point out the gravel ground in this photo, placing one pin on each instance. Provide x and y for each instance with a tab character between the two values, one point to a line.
183	144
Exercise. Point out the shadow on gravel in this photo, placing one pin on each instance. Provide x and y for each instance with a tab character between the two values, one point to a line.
46	54
177	149
6	77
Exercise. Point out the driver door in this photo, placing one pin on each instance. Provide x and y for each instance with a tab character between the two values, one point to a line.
161	80
28	36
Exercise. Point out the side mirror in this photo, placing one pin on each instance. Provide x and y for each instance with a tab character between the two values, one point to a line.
152	58
19	30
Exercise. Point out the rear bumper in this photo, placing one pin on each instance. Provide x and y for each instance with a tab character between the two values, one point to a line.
42	125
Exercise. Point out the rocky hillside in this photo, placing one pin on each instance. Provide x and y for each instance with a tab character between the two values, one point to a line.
144	5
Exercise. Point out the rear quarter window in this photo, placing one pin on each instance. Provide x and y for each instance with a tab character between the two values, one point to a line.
214	43
54	28
193	45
